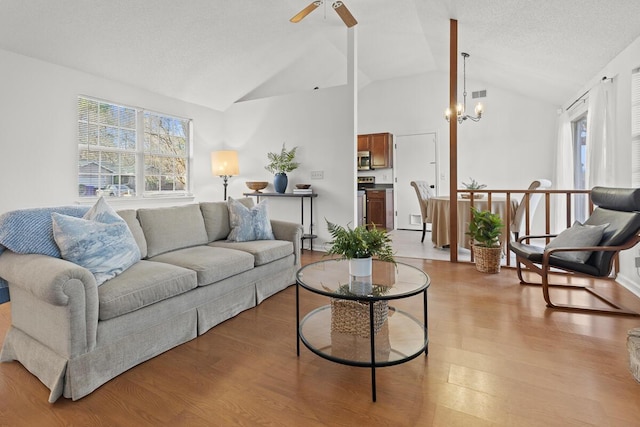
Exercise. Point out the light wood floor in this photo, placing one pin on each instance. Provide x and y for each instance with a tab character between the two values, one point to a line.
497	357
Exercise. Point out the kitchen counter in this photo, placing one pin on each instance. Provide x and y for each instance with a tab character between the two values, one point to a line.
366	187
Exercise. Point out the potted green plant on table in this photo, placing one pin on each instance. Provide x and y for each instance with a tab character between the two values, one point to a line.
279	164
359	245
360	242
485	229
473	185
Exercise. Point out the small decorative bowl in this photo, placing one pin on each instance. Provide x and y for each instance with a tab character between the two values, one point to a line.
256	186
475	195
303	186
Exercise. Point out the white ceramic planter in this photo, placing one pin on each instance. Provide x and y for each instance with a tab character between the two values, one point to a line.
360	280
360	266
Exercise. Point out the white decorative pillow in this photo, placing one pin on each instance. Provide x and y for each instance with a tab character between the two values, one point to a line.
100	241
578	236
249	223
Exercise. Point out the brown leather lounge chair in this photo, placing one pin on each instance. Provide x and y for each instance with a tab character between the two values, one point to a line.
587	250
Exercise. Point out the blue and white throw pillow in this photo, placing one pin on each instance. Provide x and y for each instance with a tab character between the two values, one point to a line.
249	223
100	241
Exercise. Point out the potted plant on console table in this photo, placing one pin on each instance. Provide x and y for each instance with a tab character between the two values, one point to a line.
280	164
485	229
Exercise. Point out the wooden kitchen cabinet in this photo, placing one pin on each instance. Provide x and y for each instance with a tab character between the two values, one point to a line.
381	147
380	208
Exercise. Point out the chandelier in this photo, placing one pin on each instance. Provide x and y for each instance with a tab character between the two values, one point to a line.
461	108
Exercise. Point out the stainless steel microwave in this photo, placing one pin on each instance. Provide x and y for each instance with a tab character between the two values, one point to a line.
364	160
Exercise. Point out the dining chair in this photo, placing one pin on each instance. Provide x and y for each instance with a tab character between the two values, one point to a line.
534	199
424	193
587	249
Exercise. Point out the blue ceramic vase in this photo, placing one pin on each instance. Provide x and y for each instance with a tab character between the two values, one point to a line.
280	182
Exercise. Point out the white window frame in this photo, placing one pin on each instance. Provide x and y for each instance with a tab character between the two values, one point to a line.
139	152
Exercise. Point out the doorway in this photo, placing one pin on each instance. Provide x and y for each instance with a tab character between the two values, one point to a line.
415	160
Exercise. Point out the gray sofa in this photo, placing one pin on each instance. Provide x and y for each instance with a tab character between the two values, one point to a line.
75	336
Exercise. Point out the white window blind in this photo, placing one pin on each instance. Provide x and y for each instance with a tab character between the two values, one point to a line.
166	153
106	147
635	127
117	159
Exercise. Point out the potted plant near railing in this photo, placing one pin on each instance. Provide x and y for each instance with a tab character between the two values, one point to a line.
473	185
485	229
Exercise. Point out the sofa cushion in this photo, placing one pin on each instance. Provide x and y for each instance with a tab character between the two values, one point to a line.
167	229
216	217
101	241
263	251
141	285
210	264
130	216
249	224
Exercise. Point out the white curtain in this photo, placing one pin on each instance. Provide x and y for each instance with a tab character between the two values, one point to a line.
601	135
563	178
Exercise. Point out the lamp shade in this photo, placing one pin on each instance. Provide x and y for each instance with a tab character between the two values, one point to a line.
224	163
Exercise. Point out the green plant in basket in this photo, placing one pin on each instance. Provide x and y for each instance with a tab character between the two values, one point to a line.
359	242
485	228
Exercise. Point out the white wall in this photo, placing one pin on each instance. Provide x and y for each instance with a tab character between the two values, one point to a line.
38	132
511	145
620	69
321	124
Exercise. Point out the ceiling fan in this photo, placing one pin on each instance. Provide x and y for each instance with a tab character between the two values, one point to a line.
338	6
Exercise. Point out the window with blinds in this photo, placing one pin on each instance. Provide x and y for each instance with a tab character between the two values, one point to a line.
119	158
635	127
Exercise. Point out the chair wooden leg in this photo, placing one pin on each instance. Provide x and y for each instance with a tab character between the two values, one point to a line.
424	231
544	272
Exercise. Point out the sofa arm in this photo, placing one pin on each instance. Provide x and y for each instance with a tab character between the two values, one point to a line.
290	231
53	300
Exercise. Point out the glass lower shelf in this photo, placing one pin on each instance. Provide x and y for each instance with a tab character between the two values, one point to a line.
400	338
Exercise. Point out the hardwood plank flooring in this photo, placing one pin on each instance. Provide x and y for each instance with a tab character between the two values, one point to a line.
497	357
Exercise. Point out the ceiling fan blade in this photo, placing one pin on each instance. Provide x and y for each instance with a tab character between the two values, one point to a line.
304	12
344	13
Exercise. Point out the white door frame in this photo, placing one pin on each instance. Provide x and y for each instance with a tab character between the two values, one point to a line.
395	183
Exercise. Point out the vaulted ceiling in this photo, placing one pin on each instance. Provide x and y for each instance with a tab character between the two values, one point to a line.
215	53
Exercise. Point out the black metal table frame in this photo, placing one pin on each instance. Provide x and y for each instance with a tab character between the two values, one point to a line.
370	301
308	236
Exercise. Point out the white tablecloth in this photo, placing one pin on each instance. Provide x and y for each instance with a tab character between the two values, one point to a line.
439	214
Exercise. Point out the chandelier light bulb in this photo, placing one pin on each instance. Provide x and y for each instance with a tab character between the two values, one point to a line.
461	107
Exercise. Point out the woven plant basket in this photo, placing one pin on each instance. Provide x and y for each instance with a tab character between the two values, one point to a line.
352	317
487	259
633	344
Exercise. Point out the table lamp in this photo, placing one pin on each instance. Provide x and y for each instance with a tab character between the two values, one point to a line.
225	164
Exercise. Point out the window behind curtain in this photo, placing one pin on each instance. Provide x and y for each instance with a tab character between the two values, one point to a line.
635	127
116	159
580	166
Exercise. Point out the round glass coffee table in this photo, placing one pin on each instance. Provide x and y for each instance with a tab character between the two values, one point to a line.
360	326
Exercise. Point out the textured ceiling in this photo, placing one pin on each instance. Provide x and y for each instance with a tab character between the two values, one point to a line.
215	53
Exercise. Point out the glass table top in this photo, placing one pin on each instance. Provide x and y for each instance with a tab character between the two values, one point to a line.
389	281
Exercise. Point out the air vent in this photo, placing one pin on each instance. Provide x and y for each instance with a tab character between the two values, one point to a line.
479	94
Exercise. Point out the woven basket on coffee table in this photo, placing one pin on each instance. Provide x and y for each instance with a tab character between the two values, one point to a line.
352	317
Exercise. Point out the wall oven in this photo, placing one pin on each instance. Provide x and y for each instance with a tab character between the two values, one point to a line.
364	160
